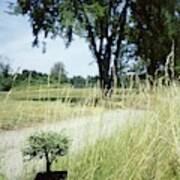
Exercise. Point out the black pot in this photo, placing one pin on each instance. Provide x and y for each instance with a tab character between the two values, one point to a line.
55	175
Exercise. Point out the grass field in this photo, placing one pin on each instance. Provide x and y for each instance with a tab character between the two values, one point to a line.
25	107
149	149
146	150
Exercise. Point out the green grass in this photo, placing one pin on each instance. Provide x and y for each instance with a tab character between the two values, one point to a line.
149	149
41	93
2	177
15	114
27	107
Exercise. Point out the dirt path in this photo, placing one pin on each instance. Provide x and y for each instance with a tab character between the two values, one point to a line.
83	131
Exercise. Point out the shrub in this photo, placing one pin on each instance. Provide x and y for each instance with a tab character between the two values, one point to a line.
6	83
48	145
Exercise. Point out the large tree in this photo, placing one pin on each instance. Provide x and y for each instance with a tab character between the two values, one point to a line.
101	23
155	30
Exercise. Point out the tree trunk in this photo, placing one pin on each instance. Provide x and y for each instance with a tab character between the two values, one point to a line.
48	163
151	70
106	78
115	72
48	166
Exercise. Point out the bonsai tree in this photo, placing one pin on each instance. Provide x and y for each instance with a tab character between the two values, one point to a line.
48	145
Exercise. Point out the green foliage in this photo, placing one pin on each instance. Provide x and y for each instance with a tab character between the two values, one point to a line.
48	145
59	17
6	79
58	78
28	77
2	177
78	81
58	72
4	69
6	83
155	25
92	81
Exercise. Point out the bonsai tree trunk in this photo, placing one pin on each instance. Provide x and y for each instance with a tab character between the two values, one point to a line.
48	163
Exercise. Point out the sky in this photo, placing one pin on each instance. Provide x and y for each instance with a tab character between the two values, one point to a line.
16	43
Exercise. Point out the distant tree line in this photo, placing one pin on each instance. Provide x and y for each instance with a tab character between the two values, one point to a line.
58	76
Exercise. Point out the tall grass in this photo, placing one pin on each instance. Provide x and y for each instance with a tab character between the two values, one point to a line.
149	149
26	107
146	149
29	105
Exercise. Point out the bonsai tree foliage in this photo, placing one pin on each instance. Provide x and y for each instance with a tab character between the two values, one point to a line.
48	145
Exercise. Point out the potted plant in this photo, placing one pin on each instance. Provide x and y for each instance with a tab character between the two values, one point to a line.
48	146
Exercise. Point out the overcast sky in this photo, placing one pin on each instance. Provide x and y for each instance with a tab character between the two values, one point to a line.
16	43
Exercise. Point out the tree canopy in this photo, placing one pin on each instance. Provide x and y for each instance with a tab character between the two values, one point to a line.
58	72
156	26
6	78
151	25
